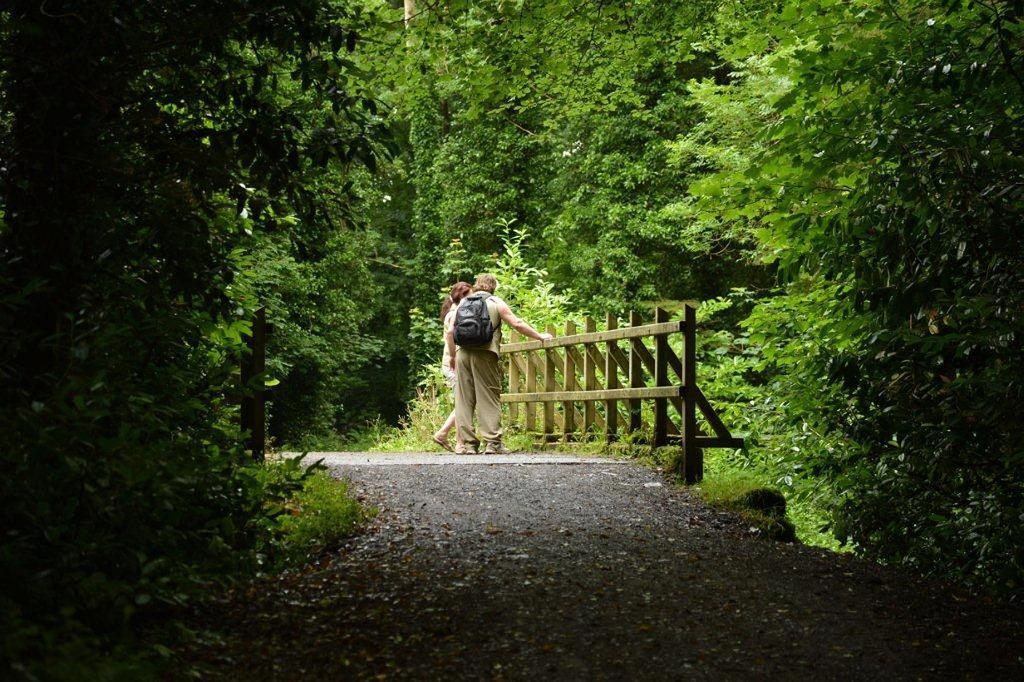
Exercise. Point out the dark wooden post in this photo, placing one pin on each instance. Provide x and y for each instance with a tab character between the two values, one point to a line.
569	380
661	379
611	381
589	380
549	387
636	374
693	456
253	405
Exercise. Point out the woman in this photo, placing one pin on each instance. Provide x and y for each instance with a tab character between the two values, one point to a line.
451	302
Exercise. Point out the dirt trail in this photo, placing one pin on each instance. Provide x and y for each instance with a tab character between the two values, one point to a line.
591	571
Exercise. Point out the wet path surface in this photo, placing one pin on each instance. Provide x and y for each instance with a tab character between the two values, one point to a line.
590	571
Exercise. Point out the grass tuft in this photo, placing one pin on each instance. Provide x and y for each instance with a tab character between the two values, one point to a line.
322	515
763	507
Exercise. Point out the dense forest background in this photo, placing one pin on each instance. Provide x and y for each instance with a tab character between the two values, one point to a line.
840	184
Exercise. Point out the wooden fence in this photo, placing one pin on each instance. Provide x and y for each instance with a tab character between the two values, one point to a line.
587	383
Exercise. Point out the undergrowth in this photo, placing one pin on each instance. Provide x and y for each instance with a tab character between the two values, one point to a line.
308	512
320	517
302	513
763	507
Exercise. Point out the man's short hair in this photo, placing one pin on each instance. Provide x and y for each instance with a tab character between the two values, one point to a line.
486	282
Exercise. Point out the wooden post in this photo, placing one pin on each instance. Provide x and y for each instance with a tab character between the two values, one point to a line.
636	375
254	406
569	380
693	456
531	387
549	385
661	379
589	380
513	381
611	381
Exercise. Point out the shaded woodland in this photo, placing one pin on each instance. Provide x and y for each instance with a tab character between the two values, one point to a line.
839	185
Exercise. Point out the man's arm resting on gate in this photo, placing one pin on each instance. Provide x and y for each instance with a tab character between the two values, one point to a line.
520	325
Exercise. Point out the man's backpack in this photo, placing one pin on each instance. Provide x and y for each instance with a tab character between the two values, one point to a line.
473	327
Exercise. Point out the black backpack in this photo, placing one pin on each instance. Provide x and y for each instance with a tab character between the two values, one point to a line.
473	327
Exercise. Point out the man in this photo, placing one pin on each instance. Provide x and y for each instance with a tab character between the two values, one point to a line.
478	368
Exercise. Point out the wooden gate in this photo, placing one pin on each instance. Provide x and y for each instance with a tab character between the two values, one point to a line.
597	382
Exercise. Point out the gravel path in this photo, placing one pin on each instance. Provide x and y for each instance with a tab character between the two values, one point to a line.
590	571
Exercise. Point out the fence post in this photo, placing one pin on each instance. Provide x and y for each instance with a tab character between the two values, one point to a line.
531	387
589	380
661	379
693	456
636	375
611	381
253	406
569	379
549	387
513	380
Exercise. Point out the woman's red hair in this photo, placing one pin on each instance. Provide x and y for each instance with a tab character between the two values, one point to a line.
458	292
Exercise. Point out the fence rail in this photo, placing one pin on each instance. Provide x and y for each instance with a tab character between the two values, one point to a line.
561	377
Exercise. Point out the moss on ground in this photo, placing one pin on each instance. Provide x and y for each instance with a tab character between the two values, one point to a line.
763	507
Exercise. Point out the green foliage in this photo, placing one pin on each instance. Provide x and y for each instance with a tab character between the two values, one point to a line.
892	177
320	516
839	182
425	338
427	410
762	507
321	348
527	289
150	148
568	134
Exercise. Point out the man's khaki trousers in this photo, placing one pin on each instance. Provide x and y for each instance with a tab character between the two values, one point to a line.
478	387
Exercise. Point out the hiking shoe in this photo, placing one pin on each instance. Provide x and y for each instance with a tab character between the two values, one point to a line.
465	450
497	449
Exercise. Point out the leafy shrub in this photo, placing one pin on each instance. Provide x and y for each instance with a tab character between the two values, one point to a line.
319	517
890	177
123	293
320	302
527	288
